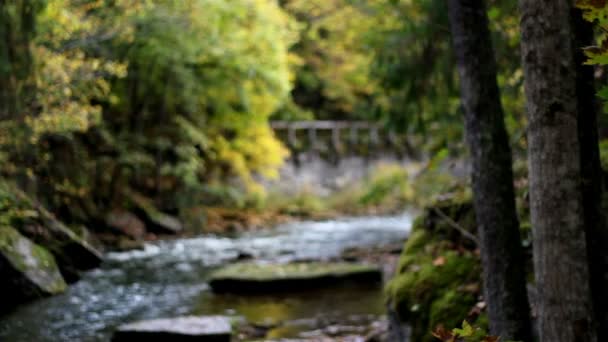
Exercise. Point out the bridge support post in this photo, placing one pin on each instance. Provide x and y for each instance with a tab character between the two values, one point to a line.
335	138
312	138
292	139
313	144
352	140
374	137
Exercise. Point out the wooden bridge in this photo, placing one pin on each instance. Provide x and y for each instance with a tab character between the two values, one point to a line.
339	137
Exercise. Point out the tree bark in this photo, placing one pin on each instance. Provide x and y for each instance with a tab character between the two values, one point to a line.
492	176
595	225
556	200
17	29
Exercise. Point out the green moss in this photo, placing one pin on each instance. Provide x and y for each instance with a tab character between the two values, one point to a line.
34	262
424	281
417	241
450	308
15	208
8	239
418	222
146	206
296	270
435	264
47	263
425	286
483	322
45	259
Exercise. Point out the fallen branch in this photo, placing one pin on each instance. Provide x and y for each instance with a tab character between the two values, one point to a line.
456	226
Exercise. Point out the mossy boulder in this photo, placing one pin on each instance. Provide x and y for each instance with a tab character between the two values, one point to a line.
249	277
438	277
439	218
126	223
72	253
156	221
27	270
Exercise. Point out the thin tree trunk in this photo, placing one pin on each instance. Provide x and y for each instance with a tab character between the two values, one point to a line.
597	236
492	177
556	201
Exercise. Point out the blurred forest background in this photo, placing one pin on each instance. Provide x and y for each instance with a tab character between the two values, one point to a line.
172	99
163	109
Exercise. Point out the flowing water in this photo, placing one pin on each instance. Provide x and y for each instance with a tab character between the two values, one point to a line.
167	279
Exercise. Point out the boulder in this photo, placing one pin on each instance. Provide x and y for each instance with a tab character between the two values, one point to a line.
27	270
250	277
126	223
72	253
189	328
156	221
437	281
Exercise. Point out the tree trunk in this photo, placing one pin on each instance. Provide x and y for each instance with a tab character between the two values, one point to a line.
595	228
17	28
492	177
556	201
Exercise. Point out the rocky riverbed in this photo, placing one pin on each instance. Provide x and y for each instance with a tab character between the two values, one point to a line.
170	279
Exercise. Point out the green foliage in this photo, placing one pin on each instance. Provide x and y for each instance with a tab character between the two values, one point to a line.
467	333
14	209
387	183
204	75
162	97
332	61
172	99
434	180
596	11
414	42
301	204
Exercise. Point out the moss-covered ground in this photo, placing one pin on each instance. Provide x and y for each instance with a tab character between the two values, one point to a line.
438	277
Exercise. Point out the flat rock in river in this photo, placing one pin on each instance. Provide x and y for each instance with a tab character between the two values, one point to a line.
188	328
252	277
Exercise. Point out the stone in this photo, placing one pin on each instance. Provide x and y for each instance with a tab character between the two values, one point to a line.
249	277
72	253
437	280
188	328
126	223
27	270
156	221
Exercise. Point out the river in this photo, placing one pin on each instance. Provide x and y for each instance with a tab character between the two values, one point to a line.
167	278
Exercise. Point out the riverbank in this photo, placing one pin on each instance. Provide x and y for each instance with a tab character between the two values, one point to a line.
168	279
389	189
137	220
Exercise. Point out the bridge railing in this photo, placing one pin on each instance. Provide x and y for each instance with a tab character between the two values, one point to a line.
364	137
